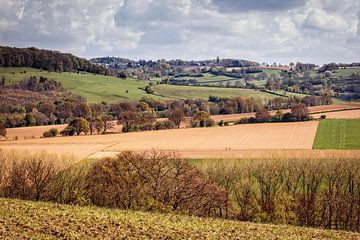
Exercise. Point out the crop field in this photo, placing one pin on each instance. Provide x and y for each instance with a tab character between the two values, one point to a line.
340	114
338	134
38	220
331	111
208	140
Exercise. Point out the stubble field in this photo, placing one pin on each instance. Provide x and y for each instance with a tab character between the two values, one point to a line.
207	141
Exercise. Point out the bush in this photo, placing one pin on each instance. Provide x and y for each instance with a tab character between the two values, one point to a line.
47	134
153	181
28	176
53	132
149	90
167	124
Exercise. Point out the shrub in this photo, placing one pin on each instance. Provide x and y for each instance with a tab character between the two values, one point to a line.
153	181
149	90
167	124
28	176
47	134
53	132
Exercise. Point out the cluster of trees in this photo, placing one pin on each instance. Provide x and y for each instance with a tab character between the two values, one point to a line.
48	60
299	112
305	192
150	181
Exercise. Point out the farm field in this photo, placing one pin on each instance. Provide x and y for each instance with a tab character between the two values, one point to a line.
184	92
346	72
240	137
338	134
39	220
337	110
340	114
37	131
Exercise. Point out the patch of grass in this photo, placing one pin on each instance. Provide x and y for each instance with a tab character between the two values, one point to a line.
338	134
38	220
346	72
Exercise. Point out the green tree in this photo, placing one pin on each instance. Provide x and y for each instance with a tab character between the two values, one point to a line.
76	127
30	119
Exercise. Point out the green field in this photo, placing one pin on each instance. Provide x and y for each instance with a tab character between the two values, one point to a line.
346	72
338	134
97	88
183	92
39	220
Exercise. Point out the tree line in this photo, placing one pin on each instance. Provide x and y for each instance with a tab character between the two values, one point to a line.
48	60
307	192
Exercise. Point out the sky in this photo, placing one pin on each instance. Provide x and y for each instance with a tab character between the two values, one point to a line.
281	31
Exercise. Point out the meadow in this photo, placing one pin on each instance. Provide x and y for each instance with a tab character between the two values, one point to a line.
338	134
97	88
184	92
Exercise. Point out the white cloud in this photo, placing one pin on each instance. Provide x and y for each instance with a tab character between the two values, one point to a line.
319	19
280	30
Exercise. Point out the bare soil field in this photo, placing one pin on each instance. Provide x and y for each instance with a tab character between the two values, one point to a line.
200	141
313	110
340	114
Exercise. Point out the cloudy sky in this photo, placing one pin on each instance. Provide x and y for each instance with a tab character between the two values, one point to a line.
282	31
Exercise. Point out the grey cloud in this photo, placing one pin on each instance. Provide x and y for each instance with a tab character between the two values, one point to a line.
258	5
271	30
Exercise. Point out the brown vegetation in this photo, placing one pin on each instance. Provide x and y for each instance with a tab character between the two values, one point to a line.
307	192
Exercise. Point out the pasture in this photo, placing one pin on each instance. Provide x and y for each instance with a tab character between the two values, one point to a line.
338	134
97	88
184	92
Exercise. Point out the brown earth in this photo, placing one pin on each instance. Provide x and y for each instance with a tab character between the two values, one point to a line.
340	114
312	110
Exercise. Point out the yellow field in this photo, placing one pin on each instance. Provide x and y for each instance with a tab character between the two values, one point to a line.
206	141
340	114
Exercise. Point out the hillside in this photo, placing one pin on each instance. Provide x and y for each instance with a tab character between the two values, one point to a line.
48	60
37	220
97	88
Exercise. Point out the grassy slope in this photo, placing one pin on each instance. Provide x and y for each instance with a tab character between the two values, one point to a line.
338	134
98	88
204	92
95	88
346	72
24	219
